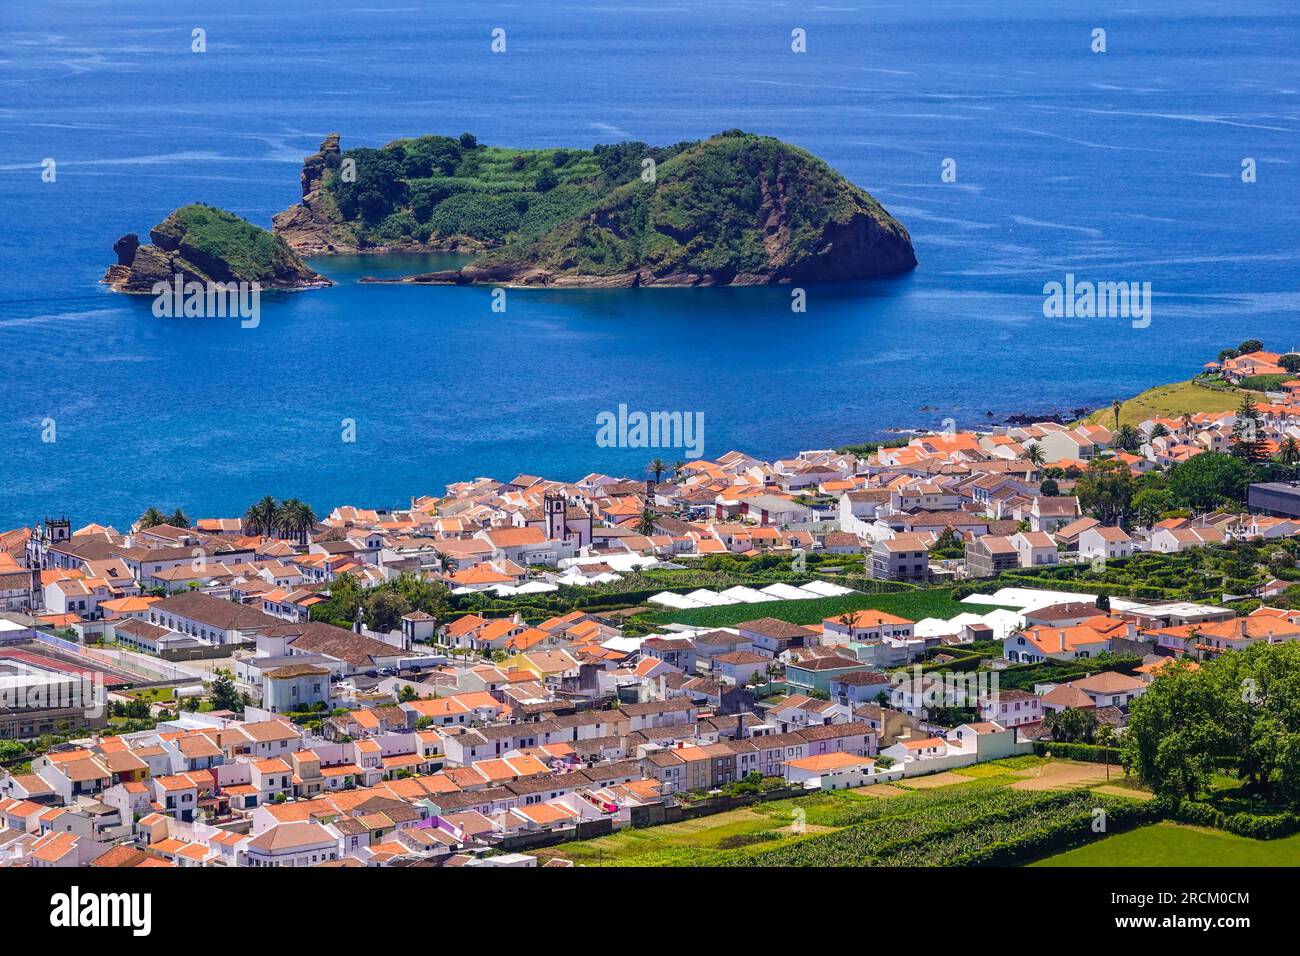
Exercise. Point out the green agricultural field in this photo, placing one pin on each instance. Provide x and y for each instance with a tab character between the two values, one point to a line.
1001	816
673	841
1172	844
914	605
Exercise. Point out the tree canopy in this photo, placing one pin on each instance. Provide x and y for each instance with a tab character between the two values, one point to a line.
1241	710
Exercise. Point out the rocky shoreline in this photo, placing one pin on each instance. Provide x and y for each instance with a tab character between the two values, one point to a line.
207	245
1015	420
521	278
1021	420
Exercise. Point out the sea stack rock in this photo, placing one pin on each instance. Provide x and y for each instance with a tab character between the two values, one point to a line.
314	227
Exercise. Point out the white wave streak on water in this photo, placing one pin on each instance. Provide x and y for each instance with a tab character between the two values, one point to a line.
49	318
158	159
1041	224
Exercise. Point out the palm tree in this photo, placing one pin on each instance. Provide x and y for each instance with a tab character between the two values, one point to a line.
151	518
179	519
263	517
296	518
1148	513
287	518
1115	407
1288	453
1034	455
678	465
646	525
657	468
306	520
1160	431
1127	438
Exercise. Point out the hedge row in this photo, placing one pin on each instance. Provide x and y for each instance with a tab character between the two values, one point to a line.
1067	835
1022	676
1089	753
1254	825
963	659
1093	587
1052	583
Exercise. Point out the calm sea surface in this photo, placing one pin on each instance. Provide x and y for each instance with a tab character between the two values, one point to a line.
1117	166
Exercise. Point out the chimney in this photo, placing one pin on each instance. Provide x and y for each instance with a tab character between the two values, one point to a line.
1241	627
1062	636
740	726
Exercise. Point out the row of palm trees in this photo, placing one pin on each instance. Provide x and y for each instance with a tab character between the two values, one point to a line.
659	466
290	518
153	517
1126	438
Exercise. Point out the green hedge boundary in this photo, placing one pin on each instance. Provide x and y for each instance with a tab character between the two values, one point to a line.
1256	826
1077	831
1089	753
1022	676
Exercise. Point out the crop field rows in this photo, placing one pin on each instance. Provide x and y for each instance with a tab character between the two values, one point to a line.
981	820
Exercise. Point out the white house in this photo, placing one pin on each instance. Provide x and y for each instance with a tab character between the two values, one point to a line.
739	666
1168	540
771	510
1104	542
859	510
1051	513
1036	548
293	844
990	739
835	770
1011	708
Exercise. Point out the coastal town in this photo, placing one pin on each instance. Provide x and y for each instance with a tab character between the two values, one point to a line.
517	672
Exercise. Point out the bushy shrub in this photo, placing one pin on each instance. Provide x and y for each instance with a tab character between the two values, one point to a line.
1090	753
1257	826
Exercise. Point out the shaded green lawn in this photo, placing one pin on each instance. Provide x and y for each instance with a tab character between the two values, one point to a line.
156	695
1172	844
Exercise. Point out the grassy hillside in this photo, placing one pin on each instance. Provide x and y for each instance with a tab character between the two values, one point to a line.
435	187
713	206
733	208
1168	401
206	235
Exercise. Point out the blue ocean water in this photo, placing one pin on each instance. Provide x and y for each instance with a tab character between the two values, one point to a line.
1123	165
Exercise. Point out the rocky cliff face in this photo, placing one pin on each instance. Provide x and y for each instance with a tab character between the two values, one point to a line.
204	244
314	226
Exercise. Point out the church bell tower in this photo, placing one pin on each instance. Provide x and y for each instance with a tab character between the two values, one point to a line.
556	513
